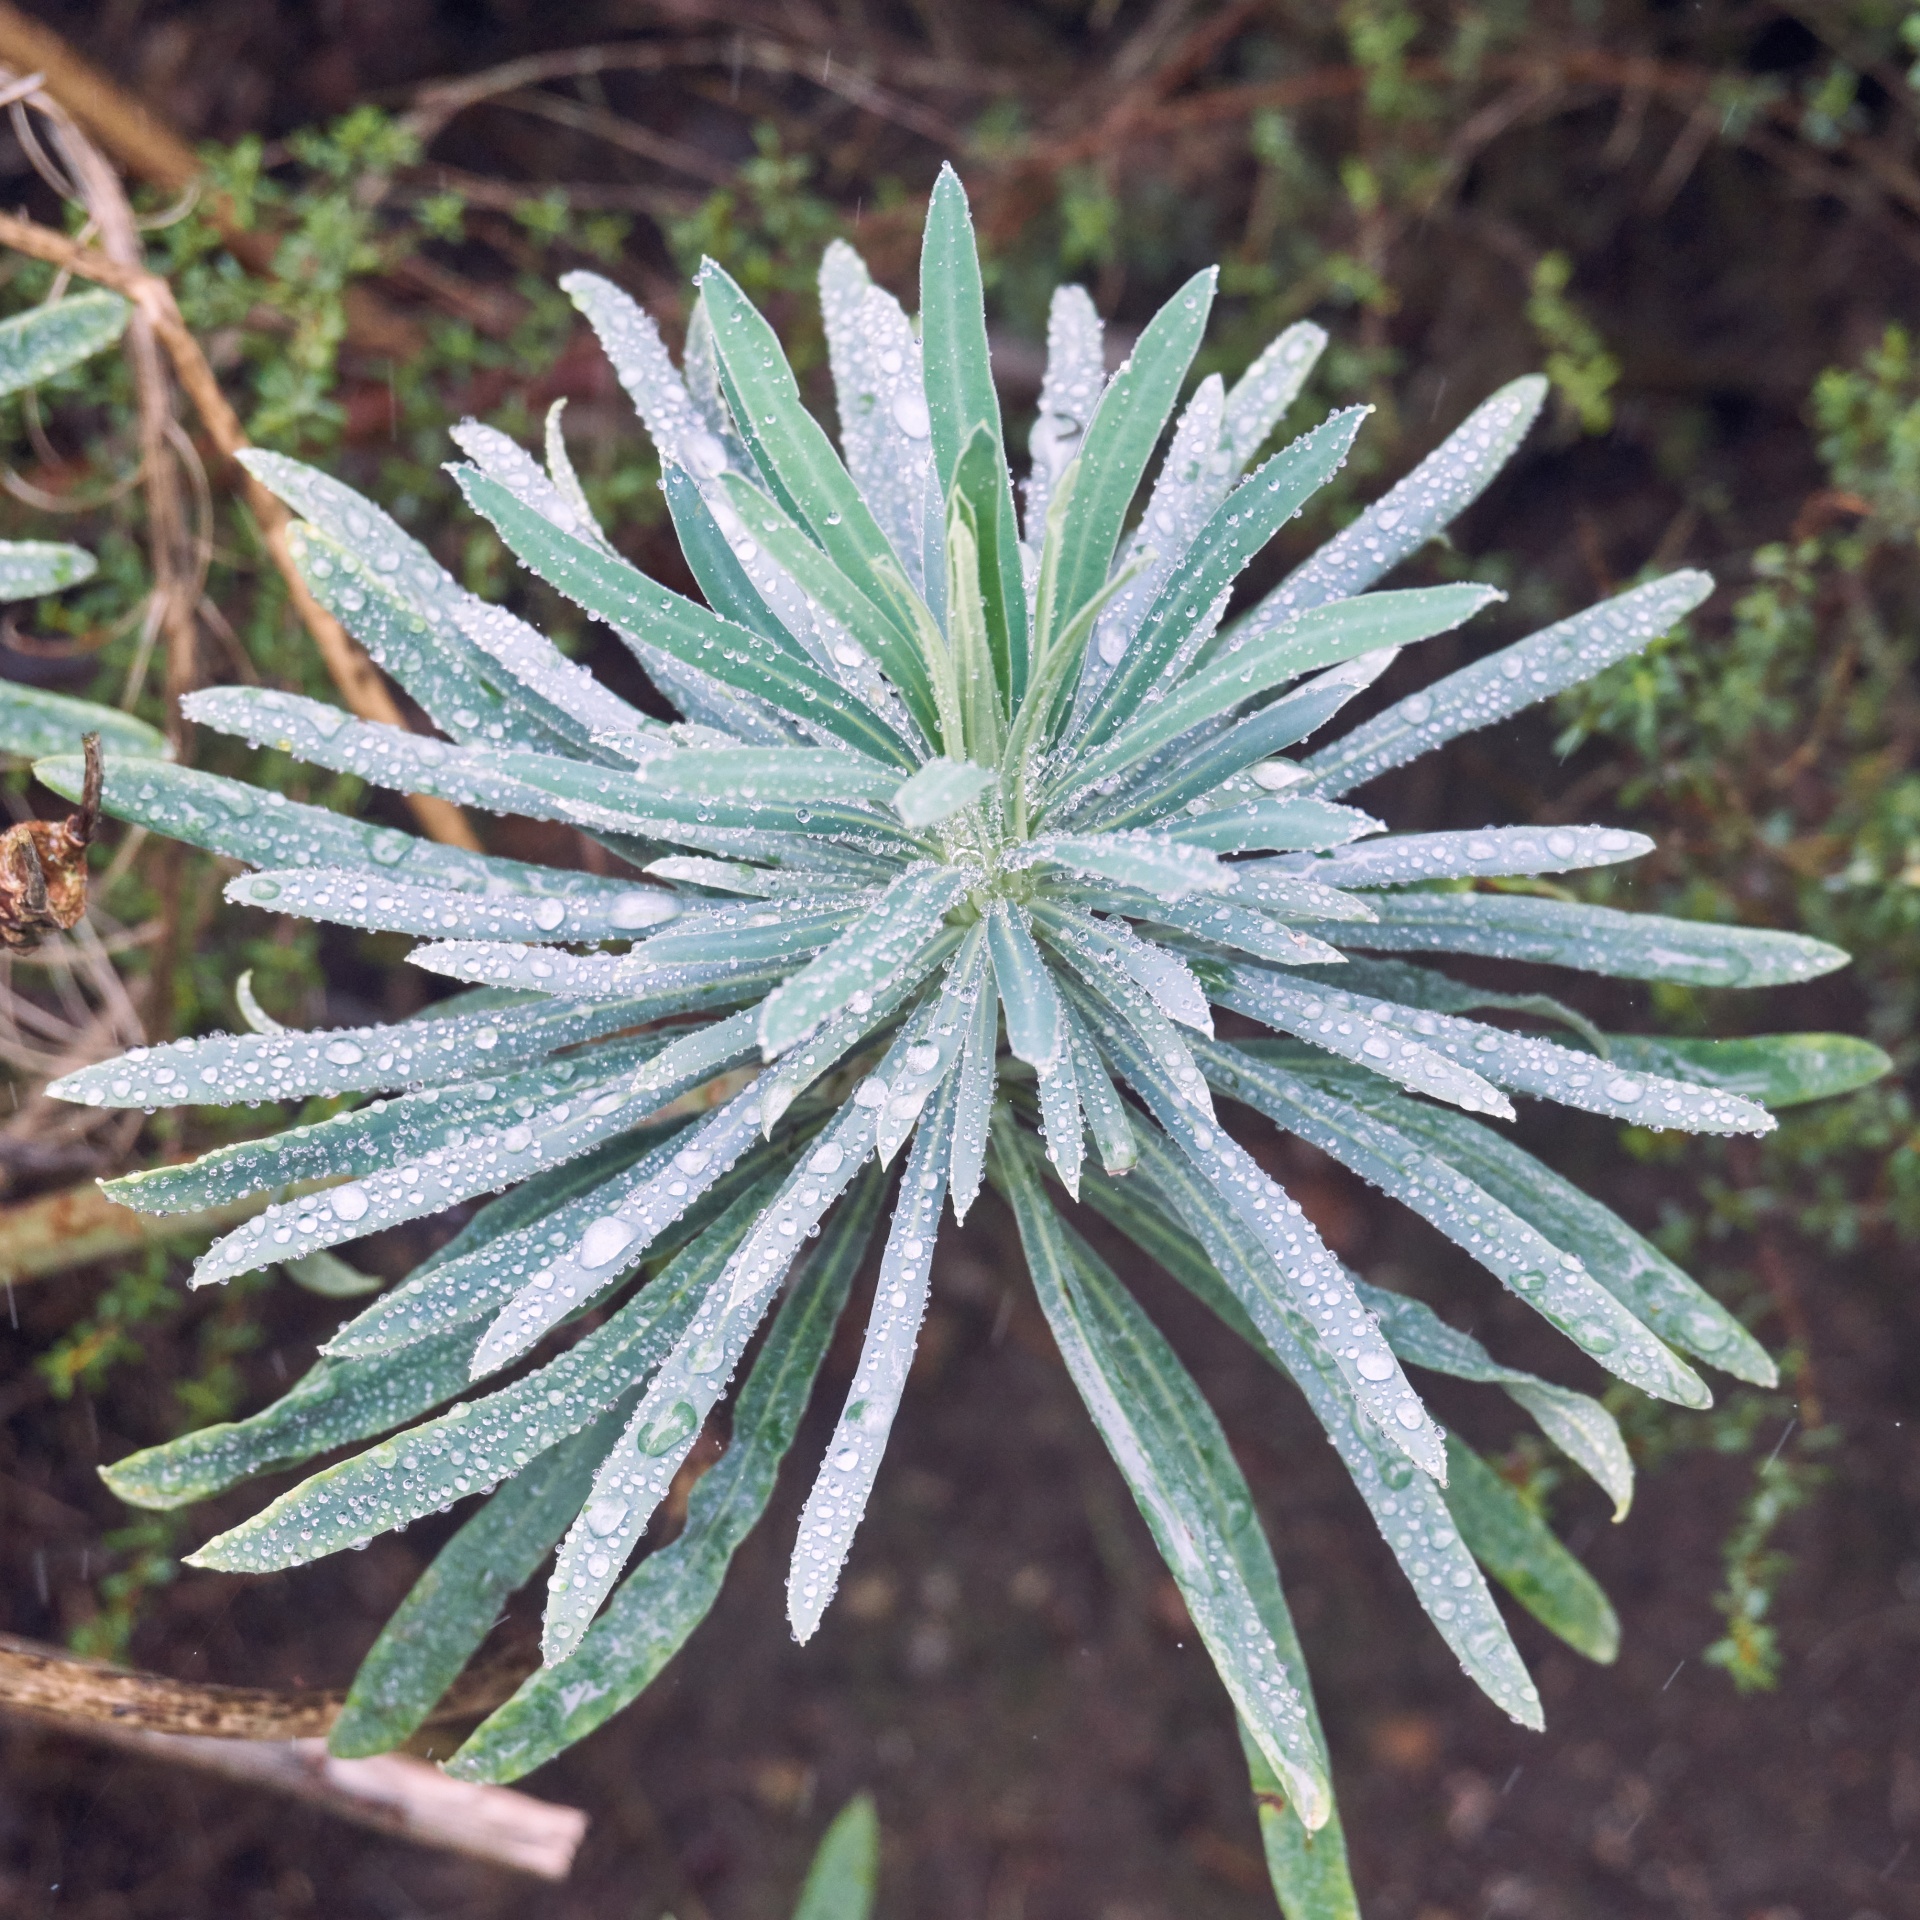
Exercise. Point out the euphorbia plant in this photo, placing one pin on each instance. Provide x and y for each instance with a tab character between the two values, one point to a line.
979	806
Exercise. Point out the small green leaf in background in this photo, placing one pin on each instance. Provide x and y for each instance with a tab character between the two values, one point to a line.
840	1884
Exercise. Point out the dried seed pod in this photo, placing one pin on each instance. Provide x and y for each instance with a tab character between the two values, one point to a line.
43	867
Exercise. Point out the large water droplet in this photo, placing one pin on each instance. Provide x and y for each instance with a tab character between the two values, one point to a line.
643	907
706	454
350	1202
603	1240
910	413
667	1432
1374	1365
604	1514
343	1053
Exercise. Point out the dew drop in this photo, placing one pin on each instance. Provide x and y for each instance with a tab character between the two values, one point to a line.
911	416
641	908
350	1202
603	1240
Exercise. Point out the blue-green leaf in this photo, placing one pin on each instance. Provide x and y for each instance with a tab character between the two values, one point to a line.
35	724
1629	946
960	397
48	340
670	1592
1519	1549
1166	1442
452	1607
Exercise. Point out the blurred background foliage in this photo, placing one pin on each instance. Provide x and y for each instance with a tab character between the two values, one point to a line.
1702	221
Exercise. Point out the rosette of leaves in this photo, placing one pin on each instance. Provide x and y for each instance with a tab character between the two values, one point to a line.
974	816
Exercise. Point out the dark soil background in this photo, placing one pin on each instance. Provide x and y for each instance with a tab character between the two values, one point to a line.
1008	1670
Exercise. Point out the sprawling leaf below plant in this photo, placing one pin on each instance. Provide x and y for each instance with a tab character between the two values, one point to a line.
962	836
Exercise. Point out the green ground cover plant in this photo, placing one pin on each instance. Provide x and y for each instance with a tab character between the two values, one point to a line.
982	801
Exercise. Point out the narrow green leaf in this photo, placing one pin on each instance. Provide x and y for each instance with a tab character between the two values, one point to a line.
631	603
1641	1277
895	629
1308	1871
973	1109
851	1463
980	489
233	818
982	706
1410	514
793	452
331	1278
1320	638
635	1476
476	1444
508	1238
1777	1069
845	1873
365	1139
1629	946
452	1607
1257	401
29	568
940	788
224	1069
1551	1279
1166	1208
1240	527
1522	1061
347	897
1292	1274
1404	859
1167	1443
658	1193
1506	682
1171	779
1100	1099
1519	1549
960	397
670	1592
36	724
1273	822
1342	1027
1156	863
332	1404
710	558
48	340
1162	973
1126	427
875	356
1576	1423
1027	993
906	920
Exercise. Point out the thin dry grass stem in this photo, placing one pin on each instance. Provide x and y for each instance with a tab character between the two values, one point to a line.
440	101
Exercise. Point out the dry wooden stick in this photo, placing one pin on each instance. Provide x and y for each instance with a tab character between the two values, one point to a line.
79	1226
176	574
273	1740
357	678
